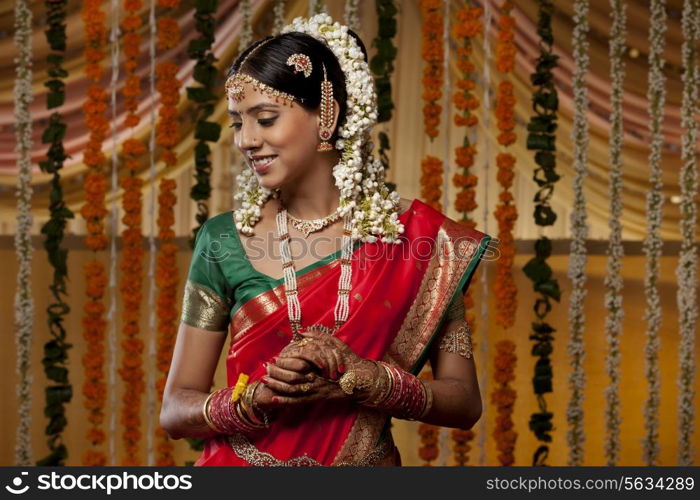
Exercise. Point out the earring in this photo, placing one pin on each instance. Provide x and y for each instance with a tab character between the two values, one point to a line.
326	113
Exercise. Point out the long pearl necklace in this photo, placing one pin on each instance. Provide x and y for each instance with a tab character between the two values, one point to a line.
342	306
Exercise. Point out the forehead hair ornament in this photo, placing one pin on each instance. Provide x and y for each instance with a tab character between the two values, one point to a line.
234	84
301	63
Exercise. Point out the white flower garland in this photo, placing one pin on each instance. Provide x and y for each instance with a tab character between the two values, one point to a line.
687	272
351	16
23	301
577	259
316	7
656	95
247	28
278	12
359	176
613	277
114	231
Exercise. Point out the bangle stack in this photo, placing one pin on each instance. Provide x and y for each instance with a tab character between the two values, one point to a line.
400	393
226	416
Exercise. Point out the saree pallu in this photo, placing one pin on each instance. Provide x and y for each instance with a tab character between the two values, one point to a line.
399	296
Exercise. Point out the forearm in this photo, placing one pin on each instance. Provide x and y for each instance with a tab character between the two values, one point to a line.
181	415
454	404
444	402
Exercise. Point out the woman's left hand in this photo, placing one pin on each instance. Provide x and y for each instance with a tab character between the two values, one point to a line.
289	377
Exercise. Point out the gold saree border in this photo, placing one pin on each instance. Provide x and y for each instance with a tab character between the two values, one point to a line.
438	286
247	451
266	303
203	308
363	436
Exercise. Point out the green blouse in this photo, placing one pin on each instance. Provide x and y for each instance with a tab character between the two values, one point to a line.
222	278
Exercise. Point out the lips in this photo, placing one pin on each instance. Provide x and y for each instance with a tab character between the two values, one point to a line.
262	163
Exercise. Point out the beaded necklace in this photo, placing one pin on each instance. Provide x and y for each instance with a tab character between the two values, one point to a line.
342	306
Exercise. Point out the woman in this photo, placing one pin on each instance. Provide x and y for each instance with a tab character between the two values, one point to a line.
310	383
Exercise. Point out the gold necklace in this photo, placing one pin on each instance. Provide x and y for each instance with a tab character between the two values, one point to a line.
308	226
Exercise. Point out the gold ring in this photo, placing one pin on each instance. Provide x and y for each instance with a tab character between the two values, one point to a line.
305	387
303	342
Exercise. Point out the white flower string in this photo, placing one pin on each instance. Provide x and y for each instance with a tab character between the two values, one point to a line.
114	230
358	175
613	278
247	28
483	332
278	12
152	328
23	300
687	272
351	15
575	436
656	96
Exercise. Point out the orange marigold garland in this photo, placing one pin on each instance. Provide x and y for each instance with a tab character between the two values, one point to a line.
468	26
132	262
167	137
506	215
506	212
433	54
503	397
94	212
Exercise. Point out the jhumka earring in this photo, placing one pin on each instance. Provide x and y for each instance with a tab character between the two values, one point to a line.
326	113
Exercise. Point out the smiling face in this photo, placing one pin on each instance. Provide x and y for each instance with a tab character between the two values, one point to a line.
278	140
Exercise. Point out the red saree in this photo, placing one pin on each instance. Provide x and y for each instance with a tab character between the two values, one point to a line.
400	293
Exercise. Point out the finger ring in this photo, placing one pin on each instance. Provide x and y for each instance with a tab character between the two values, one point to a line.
305	387
303	342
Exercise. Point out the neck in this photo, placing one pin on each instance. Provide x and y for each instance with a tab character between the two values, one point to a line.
314	196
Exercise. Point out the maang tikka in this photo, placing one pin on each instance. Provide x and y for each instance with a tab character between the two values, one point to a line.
326	113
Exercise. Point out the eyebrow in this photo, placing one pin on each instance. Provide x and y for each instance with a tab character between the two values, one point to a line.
253	109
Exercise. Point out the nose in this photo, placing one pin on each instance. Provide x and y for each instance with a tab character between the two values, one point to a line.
248	138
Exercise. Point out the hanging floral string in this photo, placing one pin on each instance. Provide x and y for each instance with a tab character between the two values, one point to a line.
656	96
24	302
613	277
60	391
166	273
433	53
506	212
579	227
468	26
204	98
316	7
132	261
94	212
503	397
687	270
278	12
382	66
352	20
541	138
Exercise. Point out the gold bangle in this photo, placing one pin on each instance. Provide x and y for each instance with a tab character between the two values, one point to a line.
207	418
247	405
428	399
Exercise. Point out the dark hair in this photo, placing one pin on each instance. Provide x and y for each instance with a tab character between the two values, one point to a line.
268	64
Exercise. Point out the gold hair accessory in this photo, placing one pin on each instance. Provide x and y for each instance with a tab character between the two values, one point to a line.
326	113
301	63
234	84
